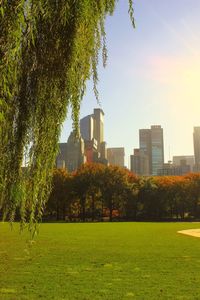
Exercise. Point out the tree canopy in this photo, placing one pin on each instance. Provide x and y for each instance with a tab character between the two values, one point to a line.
48	50
96	192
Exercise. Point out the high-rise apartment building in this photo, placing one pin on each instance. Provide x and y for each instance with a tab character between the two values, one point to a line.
170	169
145	146
87	128
98	117
71	154
157	148
92	126
103	150
196	140
178	160
149	158
92	131
140	163
62	156
115	156
88	147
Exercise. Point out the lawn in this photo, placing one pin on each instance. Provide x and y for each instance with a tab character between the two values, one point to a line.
100	261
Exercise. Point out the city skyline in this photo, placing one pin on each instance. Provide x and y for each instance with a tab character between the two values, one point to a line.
152	76
85	120
146	160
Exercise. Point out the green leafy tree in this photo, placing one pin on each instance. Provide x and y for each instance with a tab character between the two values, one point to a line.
180	195
148	198
114	187
87	187
130	207
164	207
58	204
193	193
49	49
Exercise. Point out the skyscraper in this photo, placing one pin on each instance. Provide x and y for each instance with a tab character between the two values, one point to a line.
189	159
196	140
92	131
140	163
71	154
115	156
87	128
92	126
98	126
151	150
88	147
145	146
157	148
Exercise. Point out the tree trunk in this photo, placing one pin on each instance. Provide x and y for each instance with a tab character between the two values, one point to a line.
111	211
101	210
57	212
93	207
64	211
83	209
110	214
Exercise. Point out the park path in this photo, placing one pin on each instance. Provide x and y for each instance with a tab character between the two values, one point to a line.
192	232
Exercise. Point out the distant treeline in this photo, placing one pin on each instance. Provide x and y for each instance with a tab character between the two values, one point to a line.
97	193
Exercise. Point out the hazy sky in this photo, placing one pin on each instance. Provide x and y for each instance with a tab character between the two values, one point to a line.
152	75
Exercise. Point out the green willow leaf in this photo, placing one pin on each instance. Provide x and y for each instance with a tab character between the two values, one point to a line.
49	49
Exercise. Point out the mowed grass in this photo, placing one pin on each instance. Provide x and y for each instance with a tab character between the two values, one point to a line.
100	261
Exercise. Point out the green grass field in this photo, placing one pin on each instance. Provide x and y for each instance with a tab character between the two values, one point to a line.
100	261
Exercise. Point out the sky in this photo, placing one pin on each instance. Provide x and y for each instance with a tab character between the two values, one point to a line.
152	76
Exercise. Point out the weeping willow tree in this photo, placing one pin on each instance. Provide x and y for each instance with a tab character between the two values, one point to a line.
48	50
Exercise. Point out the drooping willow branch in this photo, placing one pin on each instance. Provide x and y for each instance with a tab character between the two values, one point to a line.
48	50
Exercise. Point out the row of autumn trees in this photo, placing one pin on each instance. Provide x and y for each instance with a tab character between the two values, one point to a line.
96	192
